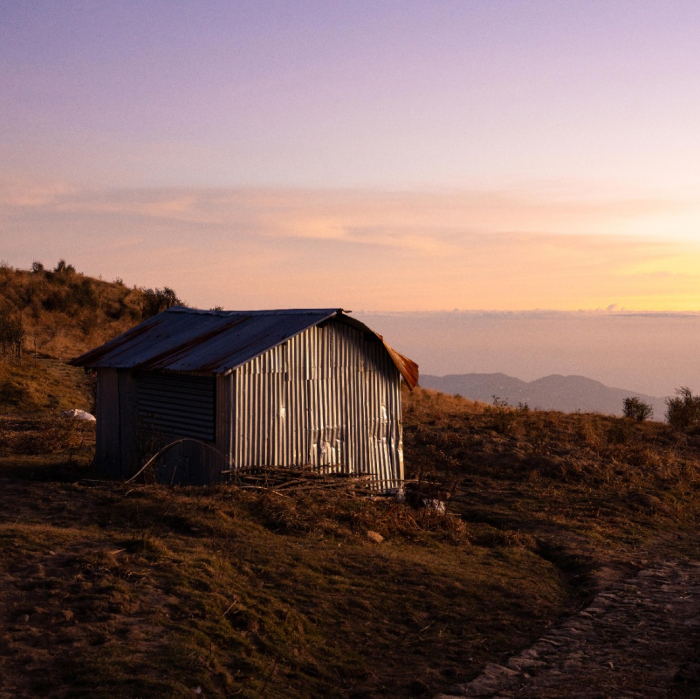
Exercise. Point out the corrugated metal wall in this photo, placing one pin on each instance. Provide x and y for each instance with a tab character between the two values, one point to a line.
177	404
127	438
200	462
330	397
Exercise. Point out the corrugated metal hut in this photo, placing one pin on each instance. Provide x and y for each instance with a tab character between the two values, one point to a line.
253	388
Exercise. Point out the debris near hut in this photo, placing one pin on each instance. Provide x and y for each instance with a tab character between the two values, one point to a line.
295	480
77	414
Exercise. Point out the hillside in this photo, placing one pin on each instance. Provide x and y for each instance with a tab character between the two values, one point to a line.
113	590
48	316
555	392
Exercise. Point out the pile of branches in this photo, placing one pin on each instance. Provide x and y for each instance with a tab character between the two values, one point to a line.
299	479
279	478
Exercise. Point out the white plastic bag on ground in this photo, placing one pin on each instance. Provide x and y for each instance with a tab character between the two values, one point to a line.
76	414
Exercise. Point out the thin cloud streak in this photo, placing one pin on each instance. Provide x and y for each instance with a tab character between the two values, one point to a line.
260	247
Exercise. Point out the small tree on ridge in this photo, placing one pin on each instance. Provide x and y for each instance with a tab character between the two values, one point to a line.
683	411
637	409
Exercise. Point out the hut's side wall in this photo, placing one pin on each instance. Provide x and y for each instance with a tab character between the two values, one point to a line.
107	445
197	460
128	421
330	397
116	439
201	463
124	442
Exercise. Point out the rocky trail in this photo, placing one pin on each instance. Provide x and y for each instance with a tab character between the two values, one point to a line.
639	638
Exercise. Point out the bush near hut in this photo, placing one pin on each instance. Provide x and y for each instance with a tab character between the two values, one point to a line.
156	300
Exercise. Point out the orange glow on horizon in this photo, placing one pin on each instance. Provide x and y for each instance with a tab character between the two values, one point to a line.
400	251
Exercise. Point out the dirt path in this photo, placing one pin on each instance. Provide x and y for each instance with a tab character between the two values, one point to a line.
637	639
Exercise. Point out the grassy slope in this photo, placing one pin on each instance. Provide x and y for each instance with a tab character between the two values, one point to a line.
109	590
595	487
156	593
147	591
64	314
43	385
67	313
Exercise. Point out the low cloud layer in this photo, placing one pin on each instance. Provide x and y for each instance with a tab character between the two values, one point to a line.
652	353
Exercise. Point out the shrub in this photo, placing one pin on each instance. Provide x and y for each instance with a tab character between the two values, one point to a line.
88	321
57	300
504	417
157	300
63	268
683	411
637	409
84	294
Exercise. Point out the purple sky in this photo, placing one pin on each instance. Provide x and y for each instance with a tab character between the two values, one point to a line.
362	94
383	155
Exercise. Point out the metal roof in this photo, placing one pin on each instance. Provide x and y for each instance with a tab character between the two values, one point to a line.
217	342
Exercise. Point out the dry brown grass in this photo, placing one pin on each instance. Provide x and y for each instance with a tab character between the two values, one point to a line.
113	590
67	313
44	387
152	591
45	435
125	591
584	478
64	314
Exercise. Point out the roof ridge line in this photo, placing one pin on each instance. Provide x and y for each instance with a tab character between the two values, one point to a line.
270	312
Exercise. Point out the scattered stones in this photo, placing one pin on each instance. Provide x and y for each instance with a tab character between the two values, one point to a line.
634	640
375	537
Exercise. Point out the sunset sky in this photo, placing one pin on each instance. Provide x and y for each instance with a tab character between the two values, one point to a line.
374	155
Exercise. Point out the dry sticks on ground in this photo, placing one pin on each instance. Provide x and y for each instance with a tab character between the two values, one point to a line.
295	480
278	478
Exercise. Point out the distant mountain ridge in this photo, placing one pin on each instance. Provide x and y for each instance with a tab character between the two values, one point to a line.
555	392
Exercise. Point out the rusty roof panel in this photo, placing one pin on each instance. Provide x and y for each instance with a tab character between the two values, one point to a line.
407	367
186	339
